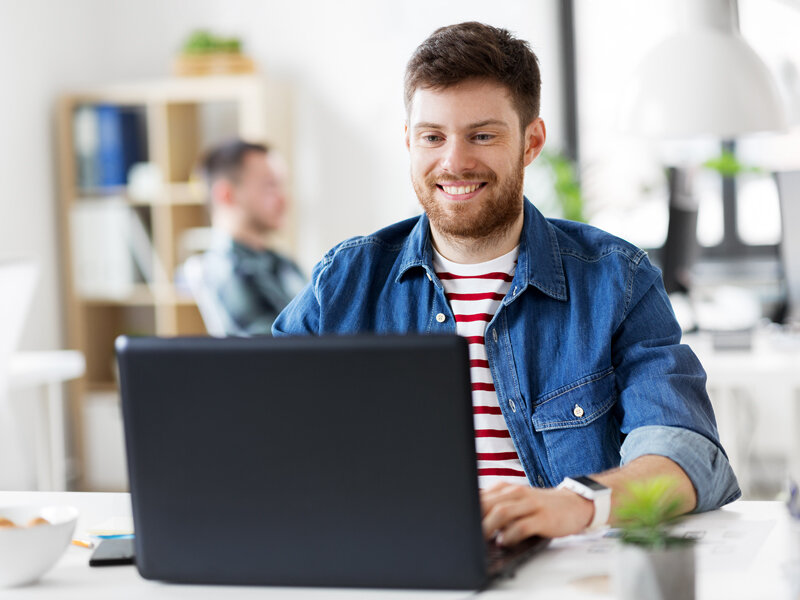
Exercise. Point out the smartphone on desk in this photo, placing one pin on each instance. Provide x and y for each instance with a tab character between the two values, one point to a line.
113	551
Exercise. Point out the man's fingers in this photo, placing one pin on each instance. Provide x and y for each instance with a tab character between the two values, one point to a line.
495	489
489	497
502	491
504	513
521	529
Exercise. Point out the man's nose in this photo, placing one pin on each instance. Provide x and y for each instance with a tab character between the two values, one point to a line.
457	156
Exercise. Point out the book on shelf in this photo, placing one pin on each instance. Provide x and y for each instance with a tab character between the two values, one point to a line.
146	259
102	264
108	140
112	251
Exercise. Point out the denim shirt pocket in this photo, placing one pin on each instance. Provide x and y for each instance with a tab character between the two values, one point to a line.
580	431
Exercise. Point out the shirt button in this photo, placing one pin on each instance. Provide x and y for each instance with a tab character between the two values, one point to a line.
540	480
440	317
514	293
512	405
494	334
577	411
429	276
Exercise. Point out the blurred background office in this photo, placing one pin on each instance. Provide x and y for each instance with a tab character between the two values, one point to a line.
108	105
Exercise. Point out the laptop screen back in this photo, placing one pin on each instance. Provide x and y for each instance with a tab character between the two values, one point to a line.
341	461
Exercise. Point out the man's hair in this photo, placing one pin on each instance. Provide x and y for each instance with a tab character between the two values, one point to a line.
226	160
476	51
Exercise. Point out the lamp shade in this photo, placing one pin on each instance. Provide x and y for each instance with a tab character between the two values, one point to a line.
701	82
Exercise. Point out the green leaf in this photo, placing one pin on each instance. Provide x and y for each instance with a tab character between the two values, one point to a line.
566	185
727	165
204	42
646	509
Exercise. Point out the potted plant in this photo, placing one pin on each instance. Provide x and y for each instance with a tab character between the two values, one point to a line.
205	53
652	563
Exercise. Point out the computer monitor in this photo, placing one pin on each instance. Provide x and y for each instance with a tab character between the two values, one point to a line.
789	193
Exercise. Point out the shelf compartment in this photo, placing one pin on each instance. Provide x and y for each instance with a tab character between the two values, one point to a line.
103	324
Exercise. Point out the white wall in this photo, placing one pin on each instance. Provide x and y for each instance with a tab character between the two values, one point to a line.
344	59
45	48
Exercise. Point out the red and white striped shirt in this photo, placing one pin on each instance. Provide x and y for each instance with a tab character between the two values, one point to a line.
475	292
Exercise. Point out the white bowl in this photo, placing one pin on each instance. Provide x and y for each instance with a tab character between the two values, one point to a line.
27	553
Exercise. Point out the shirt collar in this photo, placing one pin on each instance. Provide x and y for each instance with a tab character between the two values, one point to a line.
224	243
538	264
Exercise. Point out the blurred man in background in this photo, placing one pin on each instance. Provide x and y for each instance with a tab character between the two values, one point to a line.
240	284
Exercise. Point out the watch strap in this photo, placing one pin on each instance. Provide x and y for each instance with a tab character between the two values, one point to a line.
602	510
600	498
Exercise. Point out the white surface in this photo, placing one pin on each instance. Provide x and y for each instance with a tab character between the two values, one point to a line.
27	369
17	282
742	555
765	372
27	553
48	370
104	443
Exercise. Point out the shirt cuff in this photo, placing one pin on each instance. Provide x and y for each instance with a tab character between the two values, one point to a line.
701	459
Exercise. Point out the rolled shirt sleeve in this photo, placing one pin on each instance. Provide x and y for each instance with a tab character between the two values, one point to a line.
703	461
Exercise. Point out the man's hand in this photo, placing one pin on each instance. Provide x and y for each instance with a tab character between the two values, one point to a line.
515	512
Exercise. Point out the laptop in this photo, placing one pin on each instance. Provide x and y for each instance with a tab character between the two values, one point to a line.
307	461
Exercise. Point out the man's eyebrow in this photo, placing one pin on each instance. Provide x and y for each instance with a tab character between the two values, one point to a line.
478	125
427	125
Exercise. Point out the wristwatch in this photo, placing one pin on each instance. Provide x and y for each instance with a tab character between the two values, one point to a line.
599	494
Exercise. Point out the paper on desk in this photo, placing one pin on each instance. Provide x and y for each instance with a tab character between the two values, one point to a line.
725	542
113	526
728	544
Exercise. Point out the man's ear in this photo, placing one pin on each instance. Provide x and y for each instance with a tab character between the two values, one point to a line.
534	137
222	193
405	134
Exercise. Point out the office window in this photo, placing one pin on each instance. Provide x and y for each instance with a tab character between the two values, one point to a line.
758	212
710	212
623	178
771	27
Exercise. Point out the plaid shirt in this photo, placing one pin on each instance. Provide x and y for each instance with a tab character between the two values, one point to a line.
248	287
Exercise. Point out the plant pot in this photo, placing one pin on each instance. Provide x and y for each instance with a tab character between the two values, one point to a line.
664	574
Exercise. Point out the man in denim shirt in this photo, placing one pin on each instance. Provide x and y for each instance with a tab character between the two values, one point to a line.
584	350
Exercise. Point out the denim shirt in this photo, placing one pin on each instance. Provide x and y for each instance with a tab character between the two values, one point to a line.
584	349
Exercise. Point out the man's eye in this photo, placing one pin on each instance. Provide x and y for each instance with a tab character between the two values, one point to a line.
431	138
483	137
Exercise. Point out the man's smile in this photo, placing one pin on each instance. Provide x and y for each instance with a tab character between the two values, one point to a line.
461	190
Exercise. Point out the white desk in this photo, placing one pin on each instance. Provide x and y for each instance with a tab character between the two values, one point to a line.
49	370
743	555
768	362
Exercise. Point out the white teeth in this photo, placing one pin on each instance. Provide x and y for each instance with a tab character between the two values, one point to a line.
460	190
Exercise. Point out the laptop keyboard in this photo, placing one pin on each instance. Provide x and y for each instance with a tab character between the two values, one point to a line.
503	560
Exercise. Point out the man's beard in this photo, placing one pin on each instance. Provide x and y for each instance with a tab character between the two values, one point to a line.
498	209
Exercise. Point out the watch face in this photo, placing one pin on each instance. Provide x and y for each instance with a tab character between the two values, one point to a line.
590	483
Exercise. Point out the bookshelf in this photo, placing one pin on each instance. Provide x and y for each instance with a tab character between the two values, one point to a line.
175	120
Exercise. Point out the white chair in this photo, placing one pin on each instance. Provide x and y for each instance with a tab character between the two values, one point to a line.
210	309
17	282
